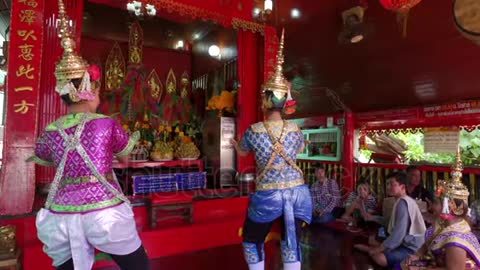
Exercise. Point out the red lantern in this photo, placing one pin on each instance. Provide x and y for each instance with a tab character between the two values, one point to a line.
401	7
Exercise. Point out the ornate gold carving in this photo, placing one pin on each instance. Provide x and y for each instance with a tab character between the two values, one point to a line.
171	82
155	85
115	69
8	243
71	65
135	50
277	82
184	81
248	26
190	11
195	12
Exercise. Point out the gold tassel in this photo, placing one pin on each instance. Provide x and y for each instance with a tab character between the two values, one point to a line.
402	19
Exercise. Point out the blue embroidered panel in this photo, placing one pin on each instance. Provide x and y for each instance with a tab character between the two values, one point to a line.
169	182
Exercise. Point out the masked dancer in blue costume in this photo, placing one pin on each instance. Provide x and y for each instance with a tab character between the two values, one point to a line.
280	189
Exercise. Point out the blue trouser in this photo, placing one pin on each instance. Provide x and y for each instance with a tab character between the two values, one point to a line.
293	205
254	235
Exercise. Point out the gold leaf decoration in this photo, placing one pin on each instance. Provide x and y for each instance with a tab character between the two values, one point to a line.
115	69
155	85
171	82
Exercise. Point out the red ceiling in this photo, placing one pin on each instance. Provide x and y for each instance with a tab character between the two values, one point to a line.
434	64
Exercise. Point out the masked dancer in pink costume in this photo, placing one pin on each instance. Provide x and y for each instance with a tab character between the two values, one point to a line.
85	209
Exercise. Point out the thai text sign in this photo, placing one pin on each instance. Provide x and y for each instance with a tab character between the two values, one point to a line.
457	108
441	140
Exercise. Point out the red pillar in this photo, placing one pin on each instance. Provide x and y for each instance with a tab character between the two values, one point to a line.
348	153
247	99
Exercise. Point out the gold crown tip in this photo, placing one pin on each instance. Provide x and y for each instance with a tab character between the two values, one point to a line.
61	7
282	41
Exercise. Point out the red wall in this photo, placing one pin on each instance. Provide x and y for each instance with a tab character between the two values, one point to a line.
162	60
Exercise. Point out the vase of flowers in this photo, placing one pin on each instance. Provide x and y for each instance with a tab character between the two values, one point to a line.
223	103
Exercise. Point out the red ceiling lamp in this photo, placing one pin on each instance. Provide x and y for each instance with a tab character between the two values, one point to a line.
402	8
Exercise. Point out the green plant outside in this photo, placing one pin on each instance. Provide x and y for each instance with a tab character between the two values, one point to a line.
469	144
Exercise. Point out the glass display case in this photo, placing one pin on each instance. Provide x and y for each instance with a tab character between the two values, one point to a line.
325	144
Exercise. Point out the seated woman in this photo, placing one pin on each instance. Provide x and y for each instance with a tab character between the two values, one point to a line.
325	196
450	243
360	203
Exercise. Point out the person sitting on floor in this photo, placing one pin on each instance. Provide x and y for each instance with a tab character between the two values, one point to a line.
474	217
387	208
406	228
360	202
475	213
325	196
415	188
450	243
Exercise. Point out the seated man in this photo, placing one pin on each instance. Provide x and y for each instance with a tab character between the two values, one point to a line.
415	188
360	203
406	227
325	196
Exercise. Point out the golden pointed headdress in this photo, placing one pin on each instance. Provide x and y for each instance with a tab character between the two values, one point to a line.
277	83
454	188
71	65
